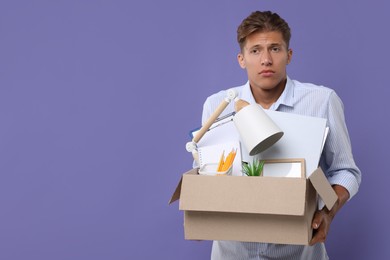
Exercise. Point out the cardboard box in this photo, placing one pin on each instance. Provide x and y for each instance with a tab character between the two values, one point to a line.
253	209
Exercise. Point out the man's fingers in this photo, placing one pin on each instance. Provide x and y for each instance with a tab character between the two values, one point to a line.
320	226
317	220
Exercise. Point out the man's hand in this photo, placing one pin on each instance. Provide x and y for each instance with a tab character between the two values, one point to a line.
323	218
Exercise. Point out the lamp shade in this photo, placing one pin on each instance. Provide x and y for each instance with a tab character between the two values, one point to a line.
257	130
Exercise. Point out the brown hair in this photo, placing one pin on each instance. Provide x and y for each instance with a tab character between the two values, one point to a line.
262	22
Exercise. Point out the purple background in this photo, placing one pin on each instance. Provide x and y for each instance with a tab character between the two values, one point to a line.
97	98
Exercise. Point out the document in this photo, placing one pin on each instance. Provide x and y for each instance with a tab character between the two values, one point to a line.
303	138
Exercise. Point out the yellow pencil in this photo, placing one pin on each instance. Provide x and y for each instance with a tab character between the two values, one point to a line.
225	164
229	160
221	161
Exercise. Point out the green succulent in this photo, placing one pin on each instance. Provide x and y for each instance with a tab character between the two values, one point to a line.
254	169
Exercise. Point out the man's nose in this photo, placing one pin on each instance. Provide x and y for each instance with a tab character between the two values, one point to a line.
266	59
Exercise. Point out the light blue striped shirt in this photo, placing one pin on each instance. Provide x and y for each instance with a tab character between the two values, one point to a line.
336	161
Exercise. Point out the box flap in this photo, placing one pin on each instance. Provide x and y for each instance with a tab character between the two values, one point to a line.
177	192
241	194
323	188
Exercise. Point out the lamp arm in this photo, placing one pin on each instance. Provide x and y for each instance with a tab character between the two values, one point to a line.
210	121
230	95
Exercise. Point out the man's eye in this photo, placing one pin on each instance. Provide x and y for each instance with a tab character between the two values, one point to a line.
275	49
254	51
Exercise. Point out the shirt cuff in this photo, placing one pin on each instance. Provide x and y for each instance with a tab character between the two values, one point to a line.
347	180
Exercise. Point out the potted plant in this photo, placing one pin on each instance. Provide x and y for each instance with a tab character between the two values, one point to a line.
254	169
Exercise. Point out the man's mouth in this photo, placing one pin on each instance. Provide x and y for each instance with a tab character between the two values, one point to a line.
267	73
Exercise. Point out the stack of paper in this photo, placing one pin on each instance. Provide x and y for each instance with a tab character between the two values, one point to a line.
303	138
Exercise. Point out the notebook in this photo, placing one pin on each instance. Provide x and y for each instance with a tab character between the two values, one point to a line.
224	137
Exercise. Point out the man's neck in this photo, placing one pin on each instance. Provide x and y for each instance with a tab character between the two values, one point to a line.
266	97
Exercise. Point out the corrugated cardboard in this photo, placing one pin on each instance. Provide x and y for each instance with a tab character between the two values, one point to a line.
254	209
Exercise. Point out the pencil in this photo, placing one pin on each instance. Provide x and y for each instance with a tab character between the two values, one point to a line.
229	160
221	161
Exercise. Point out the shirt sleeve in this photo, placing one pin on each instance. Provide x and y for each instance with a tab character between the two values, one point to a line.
337	160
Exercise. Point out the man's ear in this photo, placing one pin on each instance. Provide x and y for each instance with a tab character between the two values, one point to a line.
241	60
289	55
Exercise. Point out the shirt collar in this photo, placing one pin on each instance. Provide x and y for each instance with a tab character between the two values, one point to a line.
286	99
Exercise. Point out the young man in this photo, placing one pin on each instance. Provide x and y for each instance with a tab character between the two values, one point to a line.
264	42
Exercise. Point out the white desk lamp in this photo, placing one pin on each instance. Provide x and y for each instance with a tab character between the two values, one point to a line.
257	131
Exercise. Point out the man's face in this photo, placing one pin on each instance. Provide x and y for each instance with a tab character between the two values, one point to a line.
265	57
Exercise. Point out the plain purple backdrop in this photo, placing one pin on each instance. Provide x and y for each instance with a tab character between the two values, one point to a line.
97	98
